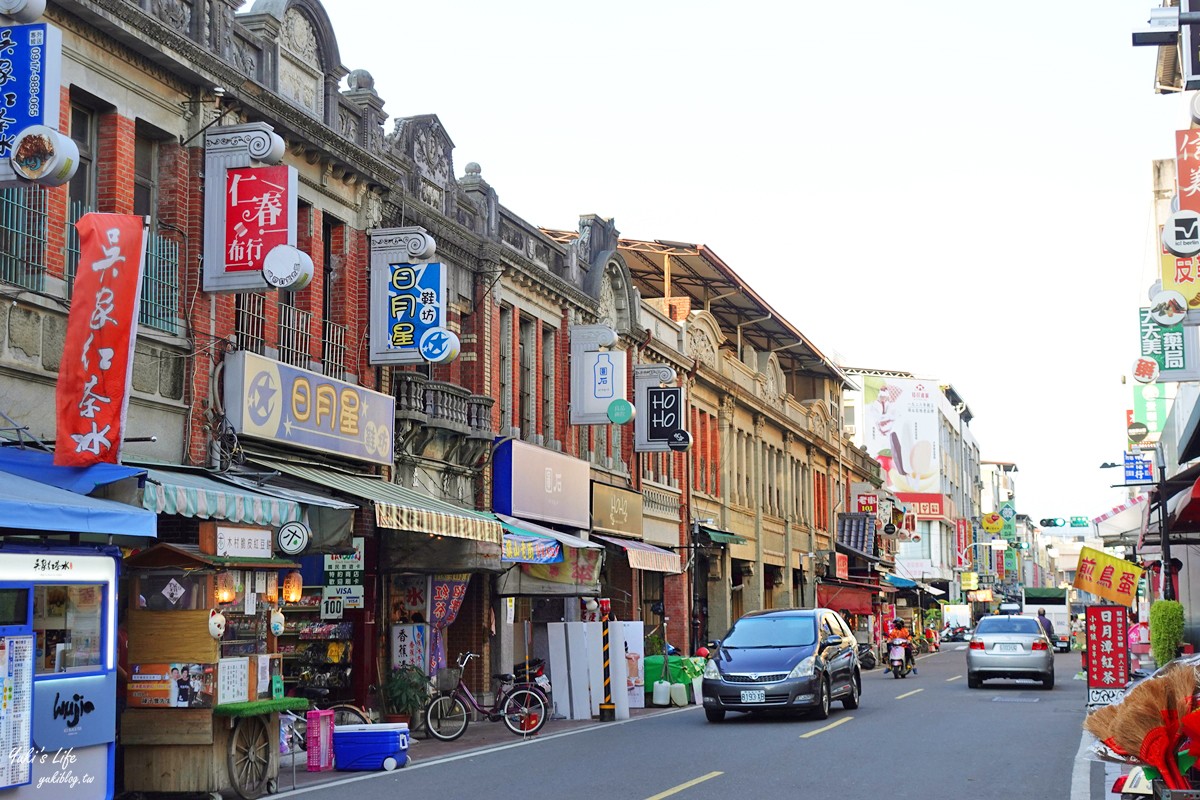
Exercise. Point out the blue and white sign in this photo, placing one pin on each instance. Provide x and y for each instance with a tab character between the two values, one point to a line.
408	299
30	73
1137	468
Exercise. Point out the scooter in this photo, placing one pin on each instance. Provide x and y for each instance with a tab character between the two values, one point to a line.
866	656
898	659
954	633
535	673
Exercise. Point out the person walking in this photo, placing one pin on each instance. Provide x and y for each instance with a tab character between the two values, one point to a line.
1046	624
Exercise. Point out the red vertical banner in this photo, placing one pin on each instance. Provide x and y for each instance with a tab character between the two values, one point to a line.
92	394
1187	169
999	555
962	541
1107	653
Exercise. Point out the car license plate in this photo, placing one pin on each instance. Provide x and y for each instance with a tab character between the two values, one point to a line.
755	696
1008	648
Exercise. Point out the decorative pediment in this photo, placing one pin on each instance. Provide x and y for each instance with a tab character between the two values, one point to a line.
703	338
772	374
424	140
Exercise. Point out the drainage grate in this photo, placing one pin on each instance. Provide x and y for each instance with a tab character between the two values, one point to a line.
1016	700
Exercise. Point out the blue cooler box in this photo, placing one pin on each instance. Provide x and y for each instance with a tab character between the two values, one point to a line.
370	747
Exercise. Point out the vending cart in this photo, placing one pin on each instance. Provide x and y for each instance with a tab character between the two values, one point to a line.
58	671
206	686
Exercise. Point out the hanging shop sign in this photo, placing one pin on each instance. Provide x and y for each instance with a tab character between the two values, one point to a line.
1175	349
92	394
1180	274
1137	469
962	541
1187	168
539	484
250	205
926	506
597	376
1181	233
1008	513
664	411
408	300
1106	576
1107	653
277	402
31	146
616	510
233	541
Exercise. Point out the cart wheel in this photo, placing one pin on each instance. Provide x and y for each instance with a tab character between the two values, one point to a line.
249	757
272	786
390	763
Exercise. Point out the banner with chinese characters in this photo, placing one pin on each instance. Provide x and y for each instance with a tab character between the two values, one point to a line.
413	304
92	395
530	549
1151	405
1107	653
270	400
962	542
1107	576
1187	169
1179	274
409	645
1164	345
446	598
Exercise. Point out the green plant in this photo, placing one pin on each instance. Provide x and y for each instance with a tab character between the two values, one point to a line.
654	645
1166	630
405	690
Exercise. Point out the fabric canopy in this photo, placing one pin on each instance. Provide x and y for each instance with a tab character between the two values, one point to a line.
646	556
723	537
854	599
194	494
31	505
397	507
898	582
38	465
541	530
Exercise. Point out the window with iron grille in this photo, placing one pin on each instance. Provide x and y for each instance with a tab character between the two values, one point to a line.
526	359
294	333
81	191
334	348
548	376
506	400
23	237
251	321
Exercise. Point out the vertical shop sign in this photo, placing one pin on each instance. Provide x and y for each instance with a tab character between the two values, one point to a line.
597	376
16	708
999	558
1164	345
663	406
962	541
92	395
260	214
1187	169
30	84
1107	653
408	299
447	594
1151	405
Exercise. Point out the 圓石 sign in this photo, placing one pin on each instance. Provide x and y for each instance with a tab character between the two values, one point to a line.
1106	629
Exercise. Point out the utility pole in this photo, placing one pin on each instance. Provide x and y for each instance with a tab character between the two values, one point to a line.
1164	525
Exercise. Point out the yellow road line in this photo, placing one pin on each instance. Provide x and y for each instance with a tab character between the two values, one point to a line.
909	694
682	786
956	677
828	727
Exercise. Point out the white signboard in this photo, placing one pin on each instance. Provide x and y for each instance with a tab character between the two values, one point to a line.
597	376
346	570
244	542
1104	697
351	596
332	607
16	704
233	680
409	645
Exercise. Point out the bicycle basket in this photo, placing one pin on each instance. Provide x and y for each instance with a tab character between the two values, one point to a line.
447	679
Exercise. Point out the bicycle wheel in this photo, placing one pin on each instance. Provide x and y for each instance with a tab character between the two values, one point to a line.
524	712
346	714
445	718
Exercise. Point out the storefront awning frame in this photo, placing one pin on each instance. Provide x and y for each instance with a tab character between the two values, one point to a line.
646	556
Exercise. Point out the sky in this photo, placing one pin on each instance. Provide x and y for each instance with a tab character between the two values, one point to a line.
960	190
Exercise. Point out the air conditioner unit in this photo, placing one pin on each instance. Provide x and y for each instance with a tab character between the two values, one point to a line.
850	430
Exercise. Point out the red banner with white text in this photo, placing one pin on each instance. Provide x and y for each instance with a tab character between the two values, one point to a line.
93	380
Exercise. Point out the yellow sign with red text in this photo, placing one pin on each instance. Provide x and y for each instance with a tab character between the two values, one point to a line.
1107	576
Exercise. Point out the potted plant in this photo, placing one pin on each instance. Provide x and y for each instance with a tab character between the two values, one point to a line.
404	693
1166	630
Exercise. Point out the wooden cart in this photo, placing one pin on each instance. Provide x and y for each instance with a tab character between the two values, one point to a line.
216	726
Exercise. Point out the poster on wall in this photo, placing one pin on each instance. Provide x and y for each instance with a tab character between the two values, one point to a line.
1107	653
233	676
635	667
903	431
170	685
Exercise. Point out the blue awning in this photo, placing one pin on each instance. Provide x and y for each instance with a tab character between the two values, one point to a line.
900	583
35	506
38	465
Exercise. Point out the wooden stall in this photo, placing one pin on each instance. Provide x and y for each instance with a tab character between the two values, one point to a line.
205	687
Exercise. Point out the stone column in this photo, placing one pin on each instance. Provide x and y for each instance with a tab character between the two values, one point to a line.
752	591
719	580
786	598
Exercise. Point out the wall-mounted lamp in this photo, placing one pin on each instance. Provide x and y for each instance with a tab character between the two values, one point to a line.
293	587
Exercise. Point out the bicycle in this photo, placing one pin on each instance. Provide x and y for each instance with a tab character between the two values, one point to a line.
343	713
523	707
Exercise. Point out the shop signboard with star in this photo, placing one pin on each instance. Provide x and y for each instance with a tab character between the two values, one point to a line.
408	300
266	399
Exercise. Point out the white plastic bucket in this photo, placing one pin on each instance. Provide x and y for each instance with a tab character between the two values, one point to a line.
662	693
679	694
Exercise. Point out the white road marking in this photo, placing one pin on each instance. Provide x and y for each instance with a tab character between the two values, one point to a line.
956	677
962	647
1081	773
909	694
830	726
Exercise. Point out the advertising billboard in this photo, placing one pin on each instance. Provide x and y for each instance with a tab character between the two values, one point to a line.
902	434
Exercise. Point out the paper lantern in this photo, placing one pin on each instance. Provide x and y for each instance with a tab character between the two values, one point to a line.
225	591
293	587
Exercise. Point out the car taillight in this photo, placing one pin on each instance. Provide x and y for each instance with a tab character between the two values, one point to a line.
977	644
1040	644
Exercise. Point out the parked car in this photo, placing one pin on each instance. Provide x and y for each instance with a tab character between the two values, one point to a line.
1009	646
783	659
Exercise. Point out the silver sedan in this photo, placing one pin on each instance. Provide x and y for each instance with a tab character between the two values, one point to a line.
1007	646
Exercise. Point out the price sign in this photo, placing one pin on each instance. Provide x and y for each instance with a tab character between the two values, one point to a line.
331	608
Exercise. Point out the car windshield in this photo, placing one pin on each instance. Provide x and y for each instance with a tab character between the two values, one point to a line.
771	632
1008	625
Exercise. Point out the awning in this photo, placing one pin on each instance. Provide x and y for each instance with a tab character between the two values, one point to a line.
898	582
31	505
933	590
839	597
397	507
646	556
193	494
541	530
188	556
1184	510
38	465
723	537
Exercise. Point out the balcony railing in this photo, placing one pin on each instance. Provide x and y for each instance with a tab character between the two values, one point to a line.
294	336
334	348
251	320
479	416
23	237
446	405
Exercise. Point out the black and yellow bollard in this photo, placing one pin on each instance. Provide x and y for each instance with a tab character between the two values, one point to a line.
608	711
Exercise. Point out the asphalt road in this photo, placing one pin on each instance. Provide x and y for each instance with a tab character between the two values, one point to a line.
923	737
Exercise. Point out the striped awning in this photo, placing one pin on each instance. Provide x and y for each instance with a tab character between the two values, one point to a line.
645	556
194	494
397	507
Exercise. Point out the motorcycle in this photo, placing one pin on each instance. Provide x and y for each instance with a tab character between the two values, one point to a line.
534	673
898	658
954	633
866	656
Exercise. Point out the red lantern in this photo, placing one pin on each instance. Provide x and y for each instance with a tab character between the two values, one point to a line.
293	587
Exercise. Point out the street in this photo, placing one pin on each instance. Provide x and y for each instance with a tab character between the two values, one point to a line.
925	736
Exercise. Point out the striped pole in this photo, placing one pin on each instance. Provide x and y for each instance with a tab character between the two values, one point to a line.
608	711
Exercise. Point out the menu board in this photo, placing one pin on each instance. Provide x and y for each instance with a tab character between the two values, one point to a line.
233	680
16	705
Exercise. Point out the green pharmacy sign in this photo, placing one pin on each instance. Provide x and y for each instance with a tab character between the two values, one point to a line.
1164	345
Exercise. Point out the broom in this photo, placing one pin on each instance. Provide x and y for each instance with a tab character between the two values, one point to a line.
1099	723
1139	727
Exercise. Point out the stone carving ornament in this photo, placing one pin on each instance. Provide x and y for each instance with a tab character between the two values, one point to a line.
297	35
607	312
173	13
431	156
701	347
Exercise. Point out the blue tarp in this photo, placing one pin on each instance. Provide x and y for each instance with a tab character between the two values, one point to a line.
37	465
31	505
900	583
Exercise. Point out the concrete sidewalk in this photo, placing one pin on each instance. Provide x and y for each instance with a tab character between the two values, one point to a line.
479	736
